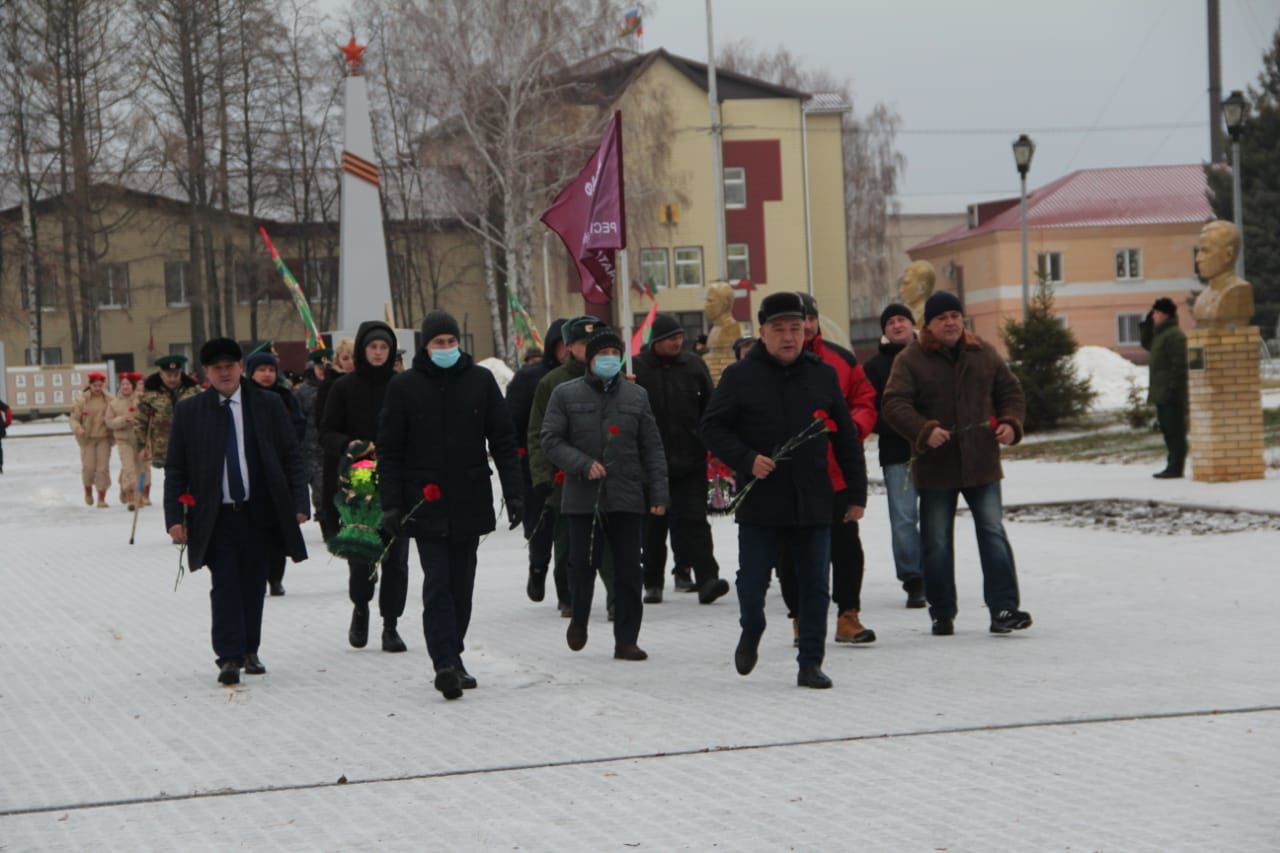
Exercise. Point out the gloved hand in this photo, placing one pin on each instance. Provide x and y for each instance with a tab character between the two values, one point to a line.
392	521
515	512
544	490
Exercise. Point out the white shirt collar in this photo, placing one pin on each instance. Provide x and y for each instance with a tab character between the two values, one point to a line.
234	398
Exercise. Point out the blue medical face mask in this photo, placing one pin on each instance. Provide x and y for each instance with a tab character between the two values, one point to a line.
445	358
606	366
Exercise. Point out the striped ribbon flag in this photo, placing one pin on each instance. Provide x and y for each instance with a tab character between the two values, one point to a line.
525	330
642	335
295	290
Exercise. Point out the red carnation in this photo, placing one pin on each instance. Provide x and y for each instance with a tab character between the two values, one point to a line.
131	409
724	471
187	499
559	478
821	415
993	422
614	430
829	425
431	493
522	452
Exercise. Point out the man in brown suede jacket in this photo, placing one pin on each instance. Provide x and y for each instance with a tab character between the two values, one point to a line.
955	400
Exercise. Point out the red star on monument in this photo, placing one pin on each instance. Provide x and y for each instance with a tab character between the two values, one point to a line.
353	53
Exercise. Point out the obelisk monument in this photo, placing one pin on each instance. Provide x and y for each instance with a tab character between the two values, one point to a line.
364	283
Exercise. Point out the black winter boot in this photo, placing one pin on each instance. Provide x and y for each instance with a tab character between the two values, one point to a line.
358	633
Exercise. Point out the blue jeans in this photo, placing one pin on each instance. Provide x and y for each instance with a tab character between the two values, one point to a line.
904	521
759	548
937	531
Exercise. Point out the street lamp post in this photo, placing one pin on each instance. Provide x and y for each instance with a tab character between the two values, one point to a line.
1023	150
1234	110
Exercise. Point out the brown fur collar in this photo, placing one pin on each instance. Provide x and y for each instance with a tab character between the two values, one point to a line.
932	344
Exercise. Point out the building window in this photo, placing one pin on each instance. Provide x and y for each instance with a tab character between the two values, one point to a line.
737	261
735	188
113	286
183	350
689	266
47	291
176	274
248	282
48	355
1128	264
1127	331
1049	267
653	269
321	278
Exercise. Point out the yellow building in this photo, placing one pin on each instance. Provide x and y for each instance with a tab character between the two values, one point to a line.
1109	241
783	193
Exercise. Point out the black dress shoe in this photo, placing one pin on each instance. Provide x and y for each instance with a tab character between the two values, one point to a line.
391	641
468	680
653	595
253	665
358	633
712	589
943	627
812	676
576	636
229	672
449	682
684	581
915	593
536	588
277	588
1168	475
629	651
746	654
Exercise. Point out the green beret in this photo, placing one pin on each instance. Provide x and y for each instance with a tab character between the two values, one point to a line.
171	362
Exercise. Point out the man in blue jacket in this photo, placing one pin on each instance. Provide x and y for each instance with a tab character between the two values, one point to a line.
773	394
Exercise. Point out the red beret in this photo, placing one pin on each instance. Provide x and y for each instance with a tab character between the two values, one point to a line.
97	377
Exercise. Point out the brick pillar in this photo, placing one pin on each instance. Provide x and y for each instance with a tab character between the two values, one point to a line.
1226	405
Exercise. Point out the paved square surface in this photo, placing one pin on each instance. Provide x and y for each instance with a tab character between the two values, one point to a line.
1141	712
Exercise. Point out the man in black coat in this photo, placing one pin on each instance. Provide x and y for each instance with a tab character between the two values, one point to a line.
351	414
899	328
434	481
234	487
538	532
769	397
679	386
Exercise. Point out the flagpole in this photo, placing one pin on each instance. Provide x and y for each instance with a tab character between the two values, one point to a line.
624	282
546	276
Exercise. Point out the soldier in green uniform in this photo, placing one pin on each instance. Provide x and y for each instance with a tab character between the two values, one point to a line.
575	332
160	393
1167	390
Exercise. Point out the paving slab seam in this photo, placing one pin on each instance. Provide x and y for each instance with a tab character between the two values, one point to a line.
587	762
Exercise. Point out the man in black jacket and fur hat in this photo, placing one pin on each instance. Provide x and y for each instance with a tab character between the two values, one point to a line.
351	414
234	487
434	481
772	395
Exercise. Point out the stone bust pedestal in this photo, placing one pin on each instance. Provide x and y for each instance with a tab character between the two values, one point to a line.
1222	353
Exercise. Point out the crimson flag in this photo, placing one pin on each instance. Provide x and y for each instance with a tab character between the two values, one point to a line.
590	216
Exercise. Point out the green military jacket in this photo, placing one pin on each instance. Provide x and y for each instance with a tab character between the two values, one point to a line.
540	468
1168	384
155	414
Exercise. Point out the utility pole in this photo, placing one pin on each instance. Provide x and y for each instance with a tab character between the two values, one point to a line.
1216	154
717	167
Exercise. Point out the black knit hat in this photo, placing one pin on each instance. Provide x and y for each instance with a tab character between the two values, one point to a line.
581	328
258	359
777	306
604	339
940	303
810	305
1166	305
219	350
665	326
438	323
895	310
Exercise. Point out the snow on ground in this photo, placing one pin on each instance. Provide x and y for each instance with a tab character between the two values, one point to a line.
1111	375
1141	711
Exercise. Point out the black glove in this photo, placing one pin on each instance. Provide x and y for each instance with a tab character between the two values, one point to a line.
543	490
515	512
392	522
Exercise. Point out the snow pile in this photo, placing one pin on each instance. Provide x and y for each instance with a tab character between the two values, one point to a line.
1110	374
500	372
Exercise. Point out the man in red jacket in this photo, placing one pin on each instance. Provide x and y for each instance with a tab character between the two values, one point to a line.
847	558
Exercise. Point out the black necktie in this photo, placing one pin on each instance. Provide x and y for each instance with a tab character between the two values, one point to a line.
235	479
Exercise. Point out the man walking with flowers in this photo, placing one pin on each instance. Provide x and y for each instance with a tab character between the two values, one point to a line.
771	419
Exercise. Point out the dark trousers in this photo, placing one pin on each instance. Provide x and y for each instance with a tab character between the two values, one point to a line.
395	580
621	533
449	579
686	519
238	556
759	549
276	564
1173	425
848	562
937	535
1	452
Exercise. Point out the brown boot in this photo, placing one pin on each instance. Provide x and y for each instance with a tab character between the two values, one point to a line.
629	651
88	495
849	629
102	498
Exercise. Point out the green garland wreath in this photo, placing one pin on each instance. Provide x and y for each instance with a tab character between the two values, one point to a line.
358	505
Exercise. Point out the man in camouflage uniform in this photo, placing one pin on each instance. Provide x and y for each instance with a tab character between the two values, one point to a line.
160	394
